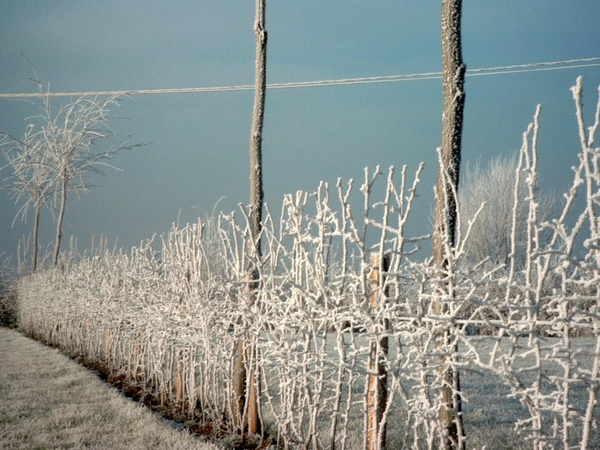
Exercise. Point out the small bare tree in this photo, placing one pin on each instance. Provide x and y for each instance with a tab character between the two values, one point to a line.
502	189
69	137
30	177
57	158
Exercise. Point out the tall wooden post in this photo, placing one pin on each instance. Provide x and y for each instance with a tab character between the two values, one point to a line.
256	184
247	376
239	403
246	379
375	436
253	375
445	206
256	191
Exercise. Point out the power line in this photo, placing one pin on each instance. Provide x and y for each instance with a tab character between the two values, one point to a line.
486	71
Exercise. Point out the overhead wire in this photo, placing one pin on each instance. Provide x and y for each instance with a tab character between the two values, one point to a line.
485	71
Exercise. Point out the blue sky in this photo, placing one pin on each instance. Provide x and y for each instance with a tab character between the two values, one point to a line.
199	142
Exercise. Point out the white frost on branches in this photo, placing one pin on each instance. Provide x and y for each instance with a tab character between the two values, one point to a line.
173	319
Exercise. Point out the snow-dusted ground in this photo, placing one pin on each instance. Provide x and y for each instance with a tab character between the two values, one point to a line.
48	401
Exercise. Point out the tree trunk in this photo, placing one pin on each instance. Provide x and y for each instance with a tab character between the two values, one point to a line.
445	206
36	233
61	215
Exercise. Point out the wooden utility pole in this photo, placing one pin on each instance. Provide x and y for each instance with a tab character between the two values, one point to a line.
445	206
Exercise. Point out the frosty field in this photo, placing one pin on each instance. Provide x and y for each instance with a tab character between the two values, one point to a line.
48	401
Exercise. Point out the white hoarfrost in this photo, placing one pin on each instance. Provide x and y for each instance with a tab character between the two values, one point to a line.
171	315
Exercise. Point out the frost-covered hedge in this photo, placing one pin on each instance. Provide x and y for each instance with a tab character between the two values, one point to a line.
326	306
8	299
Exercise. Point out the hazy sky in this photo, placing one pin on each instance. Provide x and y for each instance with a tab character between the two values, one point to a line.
199	142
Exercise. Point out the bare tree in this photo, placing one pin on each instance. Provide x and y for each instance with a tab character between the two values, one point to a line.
70	135
31	177
57	158
504	192
445	205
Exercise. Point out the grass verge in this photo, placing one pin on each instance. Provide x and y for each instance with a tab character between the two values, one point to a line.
48	401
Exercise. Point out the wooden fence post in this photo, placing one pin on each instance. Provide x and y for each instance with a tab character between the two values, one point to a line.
253	383
179	380
239	387
254	425
247	376
107	347
375	438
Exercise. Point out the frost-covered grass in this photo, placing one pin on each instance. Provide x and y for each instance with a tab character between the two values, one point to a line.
183	314
48	401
